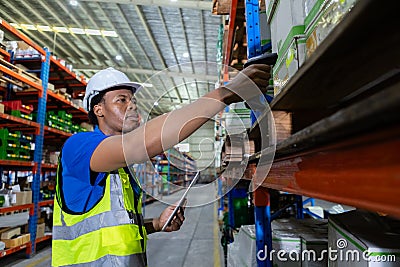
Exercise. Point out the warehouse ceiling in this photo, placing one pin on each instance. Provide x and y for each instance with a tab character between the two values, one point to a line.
147	39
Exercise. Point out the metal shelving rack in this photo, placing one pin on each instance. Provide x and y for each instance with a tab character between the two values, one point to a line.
346	150
50	69
183	165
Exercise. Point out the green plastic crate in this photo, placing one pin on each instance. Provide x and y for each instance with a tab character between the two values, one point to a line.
18	114
8	153
24	155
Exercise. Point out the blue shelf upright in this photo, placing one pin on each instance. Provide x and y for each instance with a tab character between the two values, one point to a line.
253	29
262	213
37	157
262	217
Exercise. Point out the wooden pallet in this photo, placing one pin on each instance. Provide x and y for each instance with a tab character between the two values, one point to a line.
21	72
8	80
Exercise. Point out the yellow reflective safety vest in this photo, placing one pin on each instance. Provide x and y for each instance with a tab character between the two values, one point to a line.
112	233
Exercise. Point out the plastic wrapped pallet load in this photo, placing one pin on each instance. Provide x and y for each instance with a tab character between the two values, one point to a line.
242	252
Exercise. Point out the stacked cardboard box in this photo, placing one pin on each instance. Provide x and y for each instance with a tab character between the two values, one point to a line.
234	148
297	29
21	198
292	239
237	120
286	20
283	125
322	16
12	237
364	239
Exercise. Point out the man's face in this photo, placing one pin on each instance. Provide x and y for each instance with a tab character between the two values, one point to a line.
119	112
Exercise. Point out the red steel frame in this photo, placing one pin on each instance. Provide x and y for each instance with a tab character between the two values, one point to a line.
231	33
362	171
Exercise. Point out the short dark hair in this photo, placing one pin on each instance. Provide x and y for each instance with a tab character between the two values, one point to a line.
95	100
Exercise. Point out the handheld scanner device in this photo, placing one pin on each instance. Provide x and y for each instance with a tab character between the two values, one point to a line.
266	58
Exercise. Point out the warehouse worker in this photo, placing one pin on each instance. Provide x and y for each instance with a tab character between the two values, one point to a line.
97	213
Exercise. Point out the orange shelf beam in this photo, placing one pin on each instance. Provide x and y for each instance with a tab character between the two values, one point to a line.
47	128
22	36
49	166
20	121
362	172
19	207
17	163
9	251
41	239
46	203
5	54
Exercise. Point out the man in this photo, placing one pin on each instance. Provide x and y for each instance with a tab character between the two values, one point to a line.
97	215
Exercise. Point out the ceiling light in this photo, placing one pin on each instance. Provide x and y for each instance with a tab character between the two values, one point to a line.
77	30
73	2
28	26
93	32
156	103
118	57
109	33
61	29
186	54
65	30
44	28
147	85
15	25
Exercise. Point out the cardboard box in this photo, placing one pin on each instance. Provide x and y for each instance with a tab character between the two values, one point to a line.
288	241
221	7
8	233
12	243
265	31
21	198
51	87
290	58
26	238
364	239
40	230
322	16
288	236
283	16
313	246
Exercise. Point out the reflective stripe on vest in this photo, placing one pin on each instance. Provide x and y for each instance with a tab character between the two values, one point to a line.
121	240
104	231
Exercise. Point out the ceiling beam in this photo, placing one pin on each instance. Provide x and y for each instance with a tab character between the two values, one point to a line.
160	13
189	4
151	72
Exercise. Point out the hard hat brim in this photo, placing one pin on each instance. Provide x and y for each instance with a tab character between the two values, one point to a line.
133	86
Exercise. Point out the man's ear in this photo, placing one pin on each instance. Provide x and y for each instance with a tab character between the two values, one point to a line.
98	110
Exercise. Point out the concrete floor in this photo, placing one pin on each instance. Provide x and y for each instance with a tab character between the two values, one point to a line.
196	244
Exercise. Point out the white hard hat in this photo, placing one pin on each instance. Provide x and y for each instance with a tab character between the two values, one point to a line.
104	80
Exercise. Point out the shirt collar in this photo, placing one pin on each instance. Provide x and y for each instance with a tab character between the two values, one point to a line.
97	130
